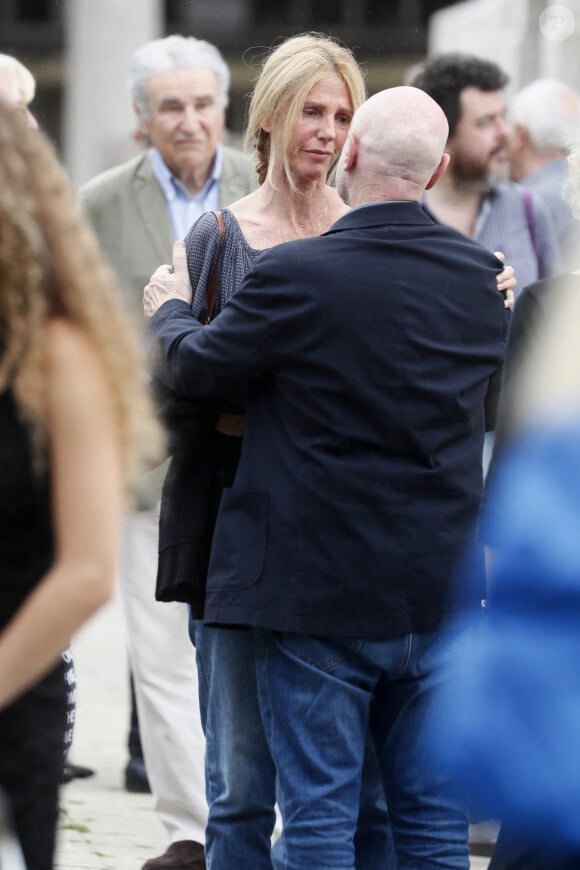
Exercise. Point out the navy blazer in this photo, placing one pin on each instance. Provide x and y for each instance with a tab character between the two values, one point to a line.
367	351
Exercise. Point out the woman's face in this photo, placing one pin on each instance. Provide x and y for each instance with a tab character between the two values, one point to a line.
321	129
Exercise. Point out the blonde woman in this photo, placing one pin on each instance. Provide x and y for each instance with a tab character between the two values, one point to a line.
299	116
73	417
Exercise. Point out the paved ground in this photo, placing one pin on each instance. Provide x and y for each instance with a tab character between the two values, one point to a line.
103	827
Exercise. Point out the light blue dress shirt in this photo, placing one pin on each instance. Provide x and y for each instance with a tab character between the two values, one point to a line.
184	209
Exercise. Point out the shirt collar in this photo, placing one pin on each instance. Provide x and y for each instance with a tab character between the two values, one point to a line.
483	213
171	185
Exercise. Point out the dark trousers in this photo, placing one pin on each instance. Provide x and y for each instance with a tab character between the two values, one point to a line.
31	762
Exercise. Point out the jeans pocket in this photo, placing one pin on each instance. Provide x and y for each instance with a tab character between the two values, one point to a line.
324	653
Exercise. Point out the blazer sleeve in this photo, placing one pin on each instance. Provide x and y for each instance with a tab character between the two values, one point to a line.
197	361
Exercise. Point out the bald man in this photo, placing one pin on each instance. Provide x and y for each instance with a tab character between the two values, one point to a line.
359	480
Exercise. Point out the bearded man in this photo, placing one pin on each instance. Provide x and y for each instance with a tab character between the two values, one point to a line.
475	195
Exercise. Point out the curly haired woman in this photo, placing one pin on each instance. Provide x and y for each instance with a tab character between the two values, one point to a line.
73	418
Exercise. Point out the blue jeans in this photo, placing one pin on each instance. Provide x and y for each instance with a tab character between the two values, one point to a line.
240	773
319	698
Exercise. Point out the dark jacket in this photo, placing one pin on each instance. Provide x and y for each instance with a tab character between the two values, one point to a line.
368	353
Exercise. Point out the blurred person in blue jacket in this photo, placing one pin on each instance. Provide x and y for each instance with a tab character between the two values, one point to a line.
512	702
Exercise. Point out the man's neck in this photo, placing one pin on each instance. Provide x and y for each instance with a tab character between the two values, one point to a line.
384	189
193	179
455	204
196	179
536	162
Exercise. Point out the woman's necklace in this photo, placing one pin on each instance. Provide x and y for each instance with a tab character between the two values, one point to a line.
284	235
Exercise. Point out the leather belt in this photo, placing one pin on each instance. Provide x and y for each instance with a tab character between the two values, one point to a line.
230	424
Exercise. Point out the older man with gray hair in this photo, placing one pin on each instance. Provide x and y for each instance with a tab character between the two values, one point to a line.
179	87
544	119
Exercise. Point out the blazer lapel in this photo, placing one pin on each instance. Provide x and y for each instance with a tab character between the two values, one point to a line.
152	209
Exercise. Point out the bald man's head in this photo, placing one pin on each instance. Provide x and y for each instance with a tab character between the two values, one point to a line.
394	148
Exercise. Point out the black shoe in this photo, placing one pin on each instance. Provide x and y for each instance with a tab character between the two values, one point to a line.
183	855
136	777
75	771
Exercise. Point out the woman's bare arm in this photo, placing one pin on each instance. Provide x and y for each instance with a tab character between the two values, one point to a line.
86	478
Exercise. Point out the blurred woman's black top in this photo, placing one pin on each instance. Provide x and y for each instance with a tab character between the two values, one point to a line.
31	728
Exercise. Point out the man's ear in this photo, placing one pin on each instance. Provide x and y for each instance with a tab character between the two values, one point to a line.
141	121
349	152
442	166
141	133
520	137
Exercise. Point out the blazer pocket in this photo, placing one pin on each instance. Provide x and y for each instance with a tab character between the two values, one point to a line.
240	540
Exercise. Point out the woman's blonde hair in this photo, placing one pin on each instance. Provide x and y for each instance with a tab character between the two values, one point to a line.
51	267
288	74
